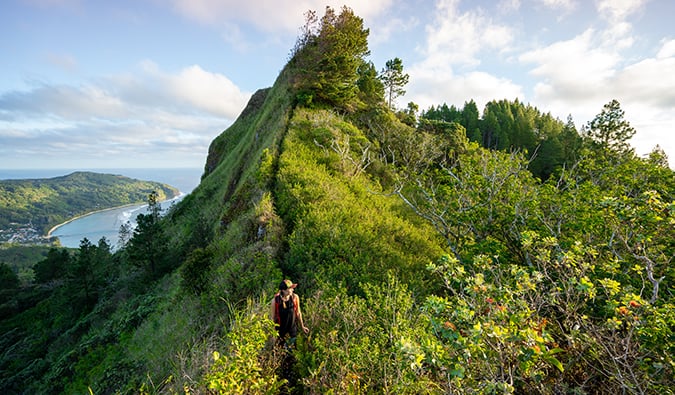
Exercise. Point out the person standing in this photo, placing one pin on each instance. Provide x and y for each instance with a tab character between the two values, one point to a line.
286	313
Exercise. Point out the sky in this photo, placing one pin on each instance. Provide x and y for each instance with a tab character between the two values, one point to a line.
150	83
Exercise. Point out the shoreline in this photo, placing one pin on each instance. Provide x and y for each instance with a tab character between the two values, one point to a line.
140	204
49	233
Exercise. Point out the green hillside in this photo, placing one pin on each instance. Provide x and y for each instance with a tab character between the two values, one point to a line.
47	202
426	263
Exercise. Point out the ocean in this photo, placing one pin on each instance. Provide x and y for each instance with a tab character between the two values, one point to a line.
107	223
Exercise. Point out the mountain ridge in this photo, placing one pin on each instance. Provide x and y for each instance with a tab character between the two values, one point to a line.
425	262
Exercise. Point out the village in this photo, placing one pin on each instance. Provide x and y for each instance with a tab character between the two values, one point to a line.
23	234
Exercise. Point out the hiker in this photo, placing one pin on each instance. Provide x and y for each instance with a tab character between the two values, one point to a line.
285	312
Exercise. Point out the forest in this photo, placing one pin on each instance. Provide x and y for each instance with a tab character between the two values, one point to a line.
47	202
436	251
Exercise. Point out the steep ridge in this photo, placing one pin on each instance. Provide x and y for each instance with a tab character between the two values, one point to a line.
425	263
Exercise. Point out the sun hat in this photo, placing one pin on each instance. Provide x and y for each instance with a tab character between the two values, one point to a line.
287	284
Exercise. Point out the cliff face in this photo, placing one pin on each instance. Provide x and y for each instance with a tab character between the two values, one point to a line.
219	145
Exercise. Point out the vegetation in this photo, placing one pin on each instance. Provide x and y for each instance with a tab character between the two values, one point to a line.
427	262
546	142
45	203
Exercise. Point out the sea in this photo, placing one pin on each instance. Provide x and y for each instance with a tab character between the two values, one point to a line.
107	223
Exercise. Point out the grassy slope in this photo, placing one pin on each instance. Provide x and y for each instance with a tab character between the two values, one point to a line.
282	196
173	343
274	202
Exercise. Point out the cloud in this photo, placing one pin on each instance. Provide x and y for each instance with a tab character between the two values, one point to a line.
571	70
618	10
62	101
199	89
564	5
509	5
450	71
482	87
667	50
269	15
456	38
151	116
580	75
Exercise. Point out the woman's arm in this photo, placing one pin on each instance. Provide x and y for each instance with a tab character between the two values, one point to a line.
273	310
300	321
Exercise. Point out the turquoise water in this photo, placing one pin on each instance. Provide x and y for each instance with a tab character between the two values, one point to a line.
101	224
107	223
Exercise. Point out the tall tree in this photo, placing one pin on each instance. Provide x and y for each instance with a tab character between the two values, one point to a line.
147	246
470	121
371	89
394	80
609	131
82	274
327	57
53	266
8	279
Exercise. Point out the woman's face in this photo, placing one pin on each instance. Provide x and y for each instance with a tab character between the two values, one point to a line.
286	292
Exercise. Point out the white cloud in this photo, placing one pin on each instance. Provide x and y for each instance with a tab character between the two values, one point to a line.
667	50
386	26
618	10
433	89
580	75
509	5
572	70
64	62
565	5
151	115
450	71
200	89
457	38
270	15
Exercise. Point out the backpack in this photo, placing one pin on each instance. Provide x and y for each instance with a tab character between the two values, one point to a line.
277	302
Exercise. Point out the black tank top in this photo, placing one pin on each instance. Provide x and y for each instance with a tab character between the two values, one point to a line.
287	324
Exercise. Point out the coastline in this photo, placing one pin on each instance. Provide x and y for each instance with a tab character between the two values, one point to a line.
139	204
49	233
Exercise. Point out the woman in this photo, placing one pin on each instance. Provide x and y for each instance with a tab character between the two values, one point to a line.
286	313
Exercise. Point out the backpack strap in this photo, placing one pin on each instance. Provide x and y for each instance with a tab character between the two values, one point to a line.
277	302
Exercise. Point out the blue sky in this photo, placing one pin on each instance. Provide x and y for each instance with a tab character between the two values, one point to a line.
150	83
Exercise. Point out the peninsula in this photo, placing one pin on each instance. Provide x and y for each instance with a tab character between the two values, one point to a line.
29	208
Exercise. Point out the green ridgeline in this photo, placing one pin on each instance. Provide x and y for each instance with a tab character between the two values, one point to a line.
426	263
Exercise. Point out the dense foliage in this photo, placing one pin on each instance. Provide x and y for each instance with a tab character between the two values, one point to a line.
427	262
545	141
47	202
327	58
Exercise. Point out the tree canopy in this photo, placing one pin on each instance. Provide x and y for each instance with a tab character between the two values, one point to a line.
327	57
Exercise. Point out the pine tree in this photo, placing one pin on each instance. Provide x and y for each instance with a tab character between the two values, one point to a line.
394	80
609	131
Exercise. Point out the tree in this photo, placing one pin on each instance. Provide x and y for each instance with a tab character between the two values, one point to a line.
125	233
8	279
148	244
327	57
394	80
658	157
470	121
53	266
371	88
609	131
409	115
81	272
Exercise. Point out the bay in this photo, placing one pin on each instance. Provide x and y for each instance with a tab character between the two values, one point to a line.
107	223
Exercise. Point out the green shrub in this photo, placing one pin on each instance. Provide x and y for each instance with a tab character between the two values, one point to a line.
248	364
